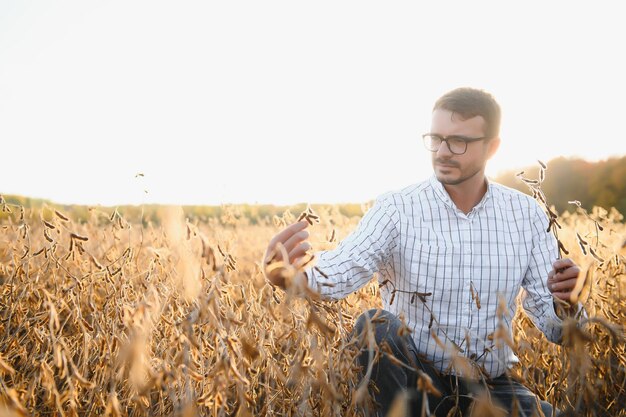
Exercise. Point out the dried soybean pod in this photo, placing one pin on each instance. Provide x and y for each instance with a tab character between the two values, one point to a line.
595	255
393	296
79	237
60	215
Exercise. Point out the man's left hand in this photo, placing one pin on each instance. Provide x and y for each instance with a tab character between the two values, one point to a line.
562	279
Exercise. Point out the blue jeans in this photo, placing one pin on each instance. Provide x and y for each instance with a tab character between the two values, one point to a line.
390	379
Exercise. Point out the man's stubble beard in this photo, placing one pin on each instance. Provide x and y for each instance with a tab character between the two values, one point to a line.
459	180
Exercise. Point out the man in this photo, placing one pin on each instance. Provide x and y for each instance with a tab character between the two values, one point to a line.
452	253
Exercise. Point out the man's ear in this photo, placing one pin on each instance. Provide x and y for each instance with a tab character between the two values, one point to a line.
494	144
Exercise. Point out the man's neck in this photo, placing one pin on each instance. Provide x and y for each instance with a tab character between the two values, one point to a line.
469	193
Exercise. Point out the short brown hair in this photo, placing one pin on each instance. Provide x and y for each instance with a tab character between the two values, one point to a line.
471	102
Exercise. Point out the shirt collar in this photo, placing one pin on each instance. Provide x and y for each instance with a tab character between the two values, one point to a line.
443	195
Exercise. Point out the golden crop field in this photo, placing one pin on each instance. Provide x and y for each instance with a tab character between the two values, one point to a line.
116	317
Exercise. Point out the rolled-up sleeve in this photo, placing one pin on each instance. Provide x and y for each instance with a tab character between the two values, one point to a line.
351	265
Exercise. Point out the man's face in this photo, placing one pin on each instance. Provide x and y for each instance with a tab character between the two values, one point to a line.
454	169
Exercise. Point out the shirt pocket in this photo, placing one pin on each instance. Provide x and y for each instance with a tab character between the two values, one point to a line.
432	272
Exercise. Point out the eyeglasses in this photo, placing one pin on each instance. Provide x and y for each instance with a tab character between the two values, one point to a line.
456	144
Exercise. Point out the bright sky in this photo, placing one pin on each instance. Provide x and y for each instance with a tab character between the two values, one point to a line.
289	101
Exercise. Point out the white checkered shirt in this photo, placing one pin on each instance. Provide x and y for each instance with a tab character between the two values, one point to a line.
418	241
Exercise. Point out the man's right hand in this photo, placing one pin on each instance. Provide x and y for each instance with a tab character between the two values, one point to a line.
289	242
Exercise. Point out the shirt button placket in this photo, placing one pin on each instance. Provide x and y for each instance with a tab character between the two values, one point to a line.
467	269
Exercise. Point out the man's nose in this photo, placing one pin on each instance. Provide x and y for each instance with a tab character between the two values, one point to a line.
444	150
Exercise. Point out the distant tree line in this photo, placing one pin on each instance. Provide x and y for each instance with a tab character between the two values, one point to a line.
600	183
592	183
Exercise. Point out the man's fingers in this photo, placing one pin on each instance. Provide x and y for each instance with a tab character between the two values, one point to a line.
564	271
273	253
560	286
565	274
564	263
287	233
563	278
289	245
299	251
295	240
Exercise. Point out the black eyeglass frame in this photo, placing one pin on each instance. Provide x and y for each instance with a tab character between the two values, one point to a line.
445	139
